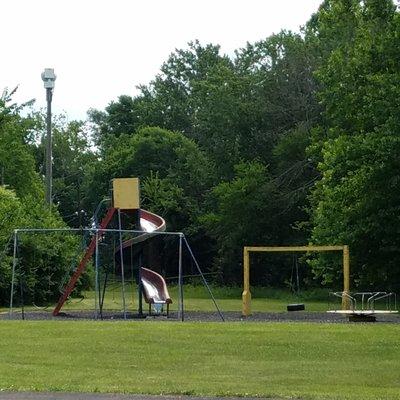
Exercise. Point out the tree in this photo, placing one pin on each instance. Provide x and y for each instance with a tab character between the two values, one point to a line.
332	27
165	102
73	154
196	93
245	211
260	105
44	260
162	157
10	217
355	202
17	163
280	73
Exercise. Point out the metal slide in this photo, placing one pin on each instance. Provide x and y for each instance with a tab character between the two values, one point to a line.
149	223
155	290
153	286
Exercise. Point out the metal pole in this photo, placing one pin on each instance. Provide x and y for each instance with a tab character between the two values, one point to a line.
96	266
49	147
203	278
103	295
93	230
122	262
180	281
13	273
346	277
140	286
21	288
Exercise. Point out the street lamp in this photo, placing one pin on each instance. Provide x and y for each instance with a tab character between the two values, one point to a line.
49	78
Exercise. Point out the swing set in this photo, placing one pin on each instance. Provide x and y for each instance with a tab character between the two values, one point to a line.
358	306
246	295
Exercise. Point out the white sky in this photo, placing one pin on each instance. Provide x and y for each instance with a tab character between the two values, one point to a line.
101	49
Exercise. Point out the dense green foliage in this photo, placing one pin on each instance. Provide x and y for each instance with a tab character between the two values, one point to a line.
10	217
174	171
293	140
17	163
42	260
356	201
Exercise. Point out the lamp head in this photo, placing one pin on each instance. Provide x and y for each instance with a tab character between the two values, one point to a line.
48	77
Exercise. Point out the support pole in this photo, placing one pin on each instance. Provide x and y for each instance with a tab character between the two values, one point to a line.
13	273
49	146
246	295
103	295
137	226
122	262
140	286
21	288
203	278
99	293
180	281
96	272
346	278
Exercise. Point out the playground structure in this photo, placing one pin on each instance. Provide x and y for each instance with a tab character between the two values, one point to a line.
358	306
125	199
363	305
246	295
128	253
134	229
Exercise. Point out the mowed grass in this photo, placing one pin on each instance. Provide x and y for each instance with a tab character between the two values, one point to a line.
288	360
196	298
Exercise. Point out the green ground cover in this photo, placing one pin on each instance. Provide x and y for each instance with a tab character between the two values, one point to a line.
289	360
196	298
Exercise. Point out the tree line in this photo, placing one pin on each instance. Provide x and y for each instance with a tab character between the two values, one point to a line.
293	140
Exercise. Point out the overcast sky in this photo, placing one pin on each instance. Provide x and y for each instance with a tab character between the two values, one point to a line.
101	49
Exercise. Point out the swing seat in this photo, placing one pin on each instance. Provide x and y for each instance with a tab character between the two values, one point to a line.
296	307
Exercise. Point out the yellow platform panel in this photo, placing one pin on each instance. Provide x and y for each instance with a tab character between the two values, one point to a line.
126	193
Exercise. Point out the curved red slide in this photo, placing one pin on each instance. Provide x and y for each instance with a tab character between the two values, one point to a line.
150	223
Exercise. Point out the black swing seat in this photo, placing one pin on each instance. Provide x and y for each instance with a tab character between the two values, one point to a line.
296	307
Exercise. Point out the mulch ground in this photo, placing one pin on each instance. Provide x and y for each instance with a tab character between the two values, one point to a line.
294	316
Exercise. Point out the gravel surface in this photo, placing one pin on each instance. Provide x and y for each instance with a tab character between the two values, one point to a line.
294	316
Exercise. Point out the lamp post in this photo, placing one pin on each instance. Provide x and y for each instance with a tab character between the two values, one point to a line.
49	78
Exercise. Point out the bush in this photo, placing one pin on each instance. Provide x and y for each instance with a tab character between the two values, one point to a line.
44	259
10	217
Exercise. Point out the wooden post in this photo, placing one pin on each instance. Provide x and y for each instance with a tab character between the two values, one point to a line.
346	277
246	295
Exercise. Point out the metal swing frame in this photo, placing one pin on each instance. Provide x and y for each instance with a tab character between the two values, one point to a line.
96	232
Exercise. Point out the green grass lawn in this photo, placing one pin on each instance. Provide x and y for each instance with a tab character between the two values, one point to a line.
289	360
196	298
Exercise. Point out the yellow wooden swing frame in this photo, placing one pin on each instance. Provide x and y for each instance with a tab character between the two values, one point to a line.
246	295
